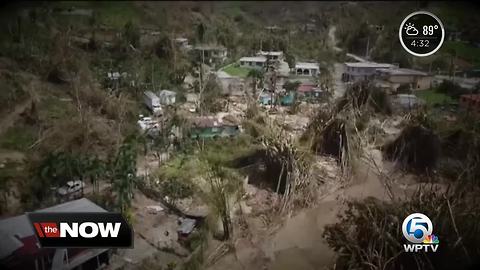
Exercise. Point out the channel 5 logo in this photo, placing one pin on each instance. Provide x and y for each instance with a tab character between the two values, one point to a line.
417	228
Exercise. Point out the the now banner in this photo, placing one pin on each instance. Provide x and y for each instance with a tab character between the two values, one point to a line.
88	230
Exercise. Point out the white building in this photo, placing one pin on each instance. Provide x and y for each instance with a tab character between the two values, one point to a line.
231	85
271	55
307	69
212	53
363	70
167	97
152	101
418	80
182	43
113	76
257	62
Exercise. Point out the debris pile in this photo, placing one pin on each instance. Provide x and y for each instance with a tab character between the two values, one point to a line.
416	148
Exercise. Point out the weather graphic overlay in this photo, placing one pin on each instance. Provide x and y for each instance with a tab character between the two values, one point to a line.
421	33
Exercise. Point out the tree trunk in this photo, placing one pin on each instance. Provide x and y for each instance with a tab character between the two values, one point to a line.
226	226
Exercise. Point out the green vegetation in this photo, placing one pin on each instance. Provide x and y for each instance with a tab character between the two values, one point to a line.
433	97
81	129
236	70
123	173
19	137
117	13
257	77
12	93
113	14
223	151
377	225
11	172
464	51
55	108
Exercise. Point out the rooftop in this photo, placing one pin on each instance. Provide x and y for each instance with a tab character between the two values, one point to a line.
208	47
307	65
181	39
272	27
475	97
274	53
150	94
369	65
402	71
407	100
305	88
14	230
166	93
211	121
253	59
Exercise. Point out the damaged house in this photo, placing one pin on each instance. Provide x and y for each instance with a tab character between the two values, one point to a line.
19	248
211	53
392	78
213	127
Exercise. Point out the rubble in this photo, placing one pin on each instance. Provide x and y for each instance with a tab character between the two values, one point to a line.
154	209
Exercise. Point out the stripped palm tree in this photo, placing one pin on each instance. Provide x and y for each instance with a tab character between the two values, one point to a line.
123	172
257	79
222	186
290	167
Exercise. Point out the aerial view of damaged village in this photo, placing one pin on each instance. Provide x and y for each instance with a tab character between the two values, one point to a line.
239	135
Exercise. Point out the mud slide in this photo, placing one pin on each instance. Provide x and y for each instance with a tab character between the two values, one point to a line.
299	244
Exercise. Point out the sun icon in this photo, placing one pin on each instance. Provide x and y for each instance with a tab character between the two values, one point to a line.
410	29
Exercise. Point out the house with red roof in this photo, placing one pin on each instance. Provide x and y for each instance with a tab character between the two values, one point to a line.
19	247
470	102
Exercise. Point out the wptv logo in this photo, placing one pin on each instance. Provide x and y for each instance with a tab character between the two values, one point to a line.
92	230
417	228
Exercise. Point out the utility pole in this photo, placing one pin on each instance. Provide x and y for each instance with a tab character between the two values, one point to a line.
153	85
201	83
368	45
174	53
261	43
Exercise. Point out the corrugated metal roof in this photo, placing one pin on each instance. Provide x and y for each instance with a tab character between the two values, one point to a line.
19	226
402	71
273	53
305	87
307	65
166	93
471	96
369	65
213	121
150	94
181	39
206	47
253	59
205	121
80	205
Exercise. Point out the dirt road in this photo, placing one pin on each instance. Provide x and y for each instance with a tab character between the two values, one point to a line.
333	39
